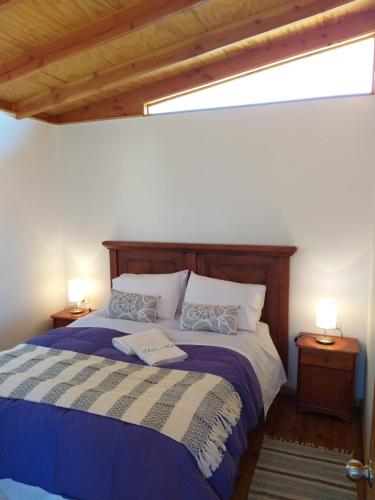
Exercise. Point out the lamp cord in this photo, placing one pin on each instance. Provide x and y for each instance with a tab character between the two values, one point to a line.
339	330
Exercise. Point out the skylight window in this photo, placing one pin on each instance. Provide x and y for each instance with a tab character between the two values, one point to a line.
341	71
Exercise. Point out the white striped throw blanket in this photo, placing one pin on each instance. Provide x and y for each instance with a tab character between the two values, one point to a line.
195	409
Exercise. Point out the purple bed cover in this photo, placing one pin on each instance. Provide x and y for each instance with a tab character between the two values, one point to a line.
81	455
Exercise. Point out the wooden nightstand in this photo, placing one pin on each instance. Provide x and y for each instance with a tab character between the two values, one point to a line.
326	375
64	318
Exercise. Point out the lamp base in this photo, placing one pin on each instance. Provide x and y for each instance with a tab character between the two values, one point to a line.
323	339
76	310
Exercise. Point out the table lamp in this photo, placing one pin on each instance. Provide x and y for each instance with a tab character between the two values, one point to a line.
76	294
326	317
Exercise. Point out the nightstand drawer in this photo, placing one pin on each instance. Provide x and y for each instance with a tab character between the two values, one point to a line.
327	359
60	322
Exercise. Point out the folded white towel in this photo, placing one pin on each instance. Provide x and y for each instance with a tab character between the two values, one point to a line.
121	343
151	346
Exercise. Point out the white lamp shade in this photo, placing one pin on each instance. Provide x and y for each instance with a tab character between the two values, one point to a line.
76	290
326	314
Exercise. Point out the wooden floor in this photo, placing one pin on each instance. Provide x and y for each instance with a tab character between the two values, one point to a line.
283	421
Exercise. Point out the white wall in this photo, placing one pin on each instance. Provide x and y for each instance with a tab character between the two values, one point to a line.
295	174
370	374
31	263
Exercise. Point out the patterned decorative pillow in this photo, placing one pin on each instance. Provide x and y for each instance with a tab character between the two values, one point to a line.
211	318
134	306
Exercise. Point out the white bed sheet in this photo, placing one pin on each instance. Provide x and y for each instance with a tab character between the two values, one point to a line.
12	490
256	346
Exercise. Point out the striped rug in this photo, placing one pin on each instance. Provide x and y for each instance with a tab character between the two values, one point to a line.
300	472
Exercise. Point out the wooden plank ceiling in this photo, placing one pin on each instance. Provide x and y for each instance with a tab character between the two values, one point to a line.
71	61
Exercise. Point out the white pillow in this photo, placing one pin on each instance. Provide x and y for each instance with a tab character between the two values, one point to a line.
204	290
169	287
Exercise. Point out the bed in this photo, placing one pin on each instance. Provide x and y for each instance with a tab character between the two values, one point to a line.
72	454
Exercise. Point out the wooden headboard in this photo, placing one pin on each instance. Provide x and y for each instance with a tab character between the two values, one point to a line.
267	265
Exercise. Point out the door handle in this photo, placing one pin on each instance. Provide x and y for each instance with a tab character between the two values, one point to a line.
356	471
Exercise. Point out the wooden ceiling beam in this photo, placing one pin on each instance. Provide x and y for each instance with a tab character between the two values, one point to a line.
285	14
8	107
7	4
121	23
132	103
46	117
